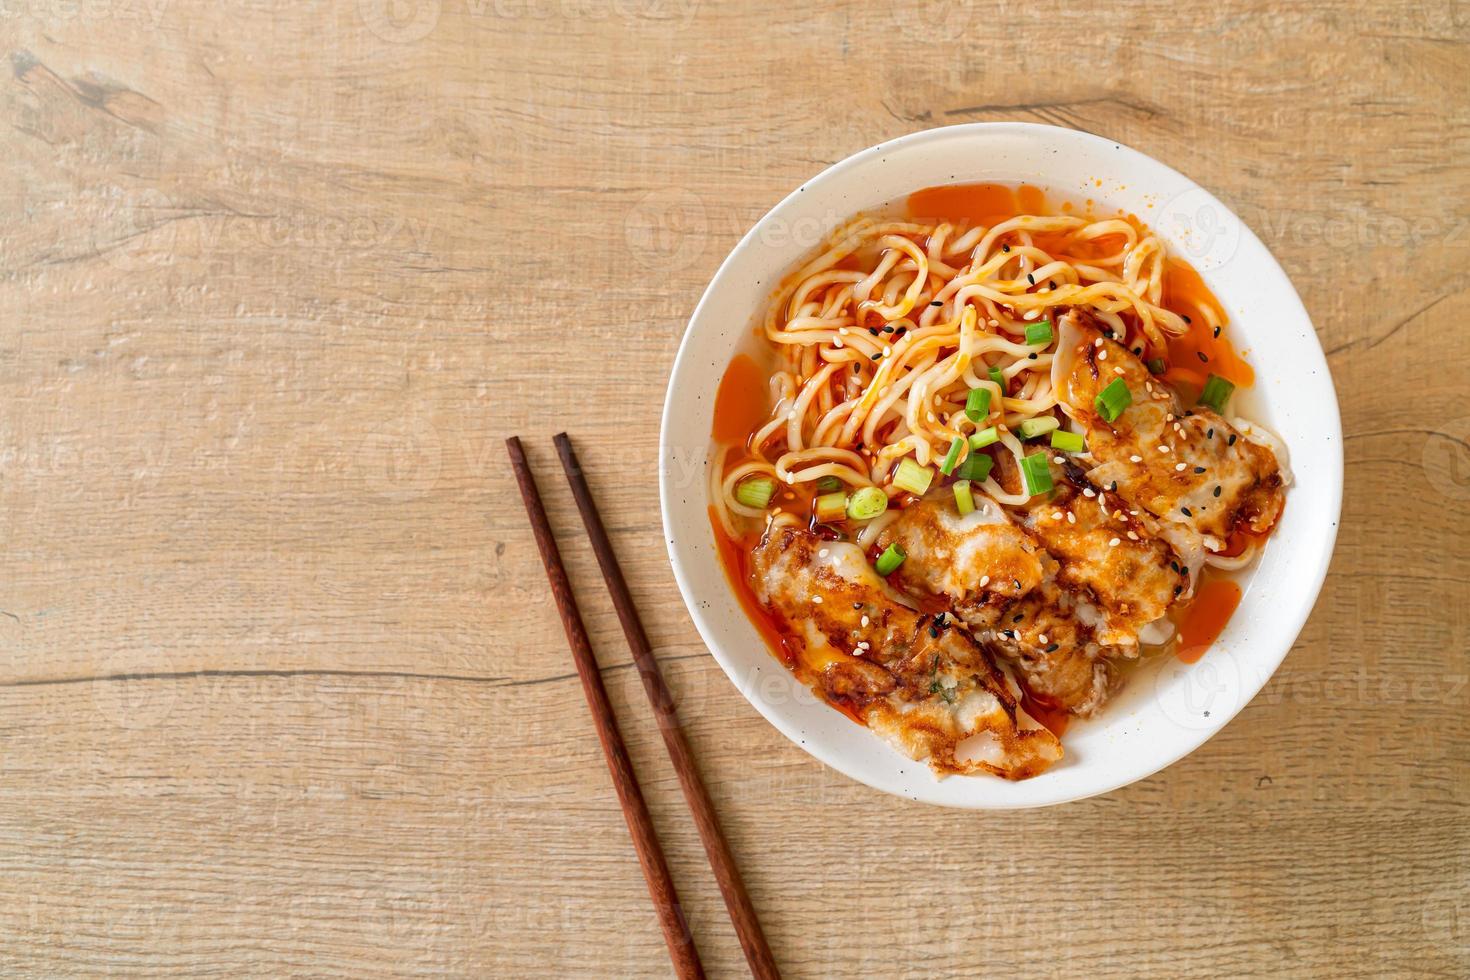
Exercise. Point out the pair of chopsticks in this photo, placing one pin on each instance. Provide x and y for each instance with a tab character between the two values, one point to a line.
635	810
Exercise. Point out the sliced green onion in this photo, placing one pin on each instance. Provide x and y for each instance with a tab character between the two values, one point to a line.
1039	426
1217	392
1038	333
1037	472
831	507
912	477
1156	365
985	437
1068	442
977	404
867	504
1114	398
975	468
829	484
998	378
964	500
756	492
891	558
952	457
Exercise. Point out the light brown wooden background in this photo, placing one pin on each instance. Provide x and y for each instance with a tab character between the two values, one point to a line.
280	687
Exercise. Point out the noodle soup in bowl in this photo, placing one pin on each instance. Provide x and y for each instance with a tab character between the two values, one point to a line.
1123	297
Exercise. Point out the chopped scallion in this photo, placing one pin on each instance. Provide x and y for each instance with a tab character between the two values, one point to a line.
977	404
912	477
831	507
985	437
1217	392
866	504
1113	399
1039	426
998	378
756	491
891	558
952	457
1068	442
1038	333
829	484
1037	472
964	500
975	468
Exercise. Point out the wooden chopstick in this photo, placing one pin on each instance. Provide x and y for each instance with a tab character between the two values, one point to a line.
650	855
737	901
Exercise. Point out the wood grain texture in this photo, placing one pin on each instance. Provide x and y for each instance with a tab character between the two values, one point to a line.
281	687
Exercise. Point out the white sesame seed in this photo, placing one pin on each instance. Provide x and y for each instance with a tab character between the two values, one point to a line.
1169	417
1097	342
1117	370
823	553
984	581
1042	638
842	330
1089	492
1056	515
1179	466
866	621
1135	459
1058	460
1071	517
816	600
1113	542
1132	536
1102	355
1163	449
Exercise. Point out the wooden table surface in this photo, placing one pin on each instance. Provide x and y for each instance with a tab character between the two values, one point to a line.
281	687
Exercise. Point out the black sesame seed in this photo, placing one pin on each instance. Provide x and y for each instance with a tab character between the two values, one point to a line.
1017	583
1178	589
1187	320
1217	490
875	356
1217	331
1138	351
1030	278
933	633
873	330
937	302
1199	469
900	332
1174	565
1185	511
1210	434
1053	647
857	605
888	330
1005	248
1201	355
1114	487
1231	441
1018	617
1030	357
1050	284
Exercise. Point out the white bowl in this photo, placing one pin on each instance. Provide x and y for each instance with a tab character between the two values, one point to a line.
1167	709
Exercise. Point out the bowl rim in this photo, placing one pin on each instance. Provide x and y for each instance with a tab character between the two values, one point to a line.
1289	629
